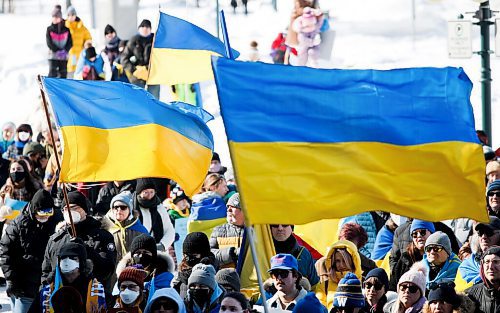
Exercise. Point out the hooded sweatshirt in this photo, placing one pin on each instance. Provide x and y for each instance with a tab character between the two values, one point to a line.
167	293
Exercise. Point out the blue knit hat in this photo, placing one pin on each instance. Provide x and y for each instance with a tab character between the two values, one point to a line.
349	293
494	185
419	224
309	304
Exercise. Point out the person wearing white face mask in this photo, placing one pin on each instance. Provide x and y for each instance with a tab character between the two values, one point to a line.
22	248
131	286
99	243
73	270
24	133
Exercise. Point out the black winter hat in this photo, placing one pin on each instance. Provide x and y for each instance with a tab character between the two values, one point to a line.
76	197
90	53
445	292
143	184
109	29
195	243
146	242
25	128
381	275
145	23
41	200
215	157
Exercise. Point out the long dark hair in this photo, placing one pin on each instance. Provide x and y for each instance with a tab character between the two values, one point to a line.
29	181
238	296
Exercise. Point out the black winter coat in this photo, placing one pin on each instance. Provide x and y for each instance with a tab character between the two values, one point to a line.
136	53
58	37
100	249
21	252
486	300
404	264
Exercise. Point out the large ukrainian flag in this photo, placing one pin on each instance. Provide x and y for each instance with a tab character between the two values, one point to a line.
181	52
117	131
312	144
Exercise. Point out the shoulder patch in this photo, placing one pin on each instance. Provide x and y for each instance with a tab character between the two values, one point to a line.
111	246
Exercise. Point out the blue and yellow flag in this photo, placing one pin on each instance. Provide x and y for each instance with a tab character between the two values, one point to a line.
310	144
117	131
181	52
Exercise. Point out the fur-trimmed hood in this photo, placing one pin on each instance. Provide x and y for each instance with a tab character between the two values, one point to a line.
164	263
466	305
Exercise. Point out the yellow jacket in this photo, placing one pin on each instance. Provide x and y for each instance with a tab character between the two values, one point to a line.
326	288
79	34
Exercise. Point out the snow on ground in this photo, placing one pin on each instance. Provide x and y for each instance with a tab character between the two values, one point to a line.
379	34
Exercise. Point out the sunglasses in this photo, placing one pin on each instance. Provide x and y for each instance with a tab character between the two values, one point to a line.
422	233
411	288
494	193
433	248
485	231
120	207
280	274
278	225
377	286
45	212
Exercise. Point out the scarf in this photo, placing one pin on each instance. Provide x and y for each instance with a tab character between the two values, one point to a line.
286	246
156	221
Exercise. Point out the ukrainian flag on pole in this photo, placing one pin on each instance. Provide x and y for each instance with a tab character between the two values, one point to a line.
117	131
312	144
181	52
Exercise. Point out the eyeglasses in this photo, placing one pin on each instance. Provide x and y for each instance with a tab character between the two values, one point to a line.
433	248
130	287
377	286
494	193
280	274
411	288
278	225
163	304
120	207
422	233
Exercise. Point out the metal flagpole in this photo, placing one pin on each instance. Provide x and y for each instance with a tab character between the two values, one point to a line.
65	192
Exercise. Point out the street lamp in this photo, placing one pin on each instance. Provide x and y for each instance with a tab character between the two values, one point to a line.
484	14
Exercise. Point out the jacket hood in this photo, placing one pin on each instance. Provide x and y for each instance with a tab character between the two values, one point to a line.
167	293
164	261
353	251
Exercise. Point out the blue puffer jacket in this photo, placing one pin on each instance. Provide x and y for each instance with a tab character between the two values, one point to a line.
366	221
446	274
469	269
383	243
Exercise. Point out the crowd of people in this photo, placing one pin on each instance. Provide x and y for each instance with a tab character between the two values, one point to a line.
110	246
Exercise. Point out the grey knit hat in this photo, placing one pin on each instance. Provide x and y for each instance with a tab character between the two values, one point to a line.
125	197
234	200
440	239
228	277
203	274
71	10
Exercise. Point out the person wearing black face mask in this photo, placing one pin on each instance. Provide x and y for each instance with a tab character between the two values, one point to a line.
195	249
204	294
20	185
158	265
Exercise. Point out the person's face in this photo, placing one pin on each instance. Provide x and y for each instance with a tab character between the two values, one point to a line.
110	36
440	307
16	167
493	176
7	133
284	281
494	199
235	216
48	138
164	305
374	290
183	204
56	20
144	31
128	284
339	263
281	232
419	236
488	238
220	187
436	254
230	305
71	18
71	276
491	268
408	294
147	194
76	208
121	211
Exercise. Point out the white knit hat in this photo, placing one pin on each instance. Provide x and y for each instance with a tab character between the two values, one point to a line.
417	275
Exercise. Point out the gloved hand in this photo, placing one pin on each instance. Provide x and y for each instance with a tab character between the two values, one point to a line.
233	253
61	54
141	72
12	290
